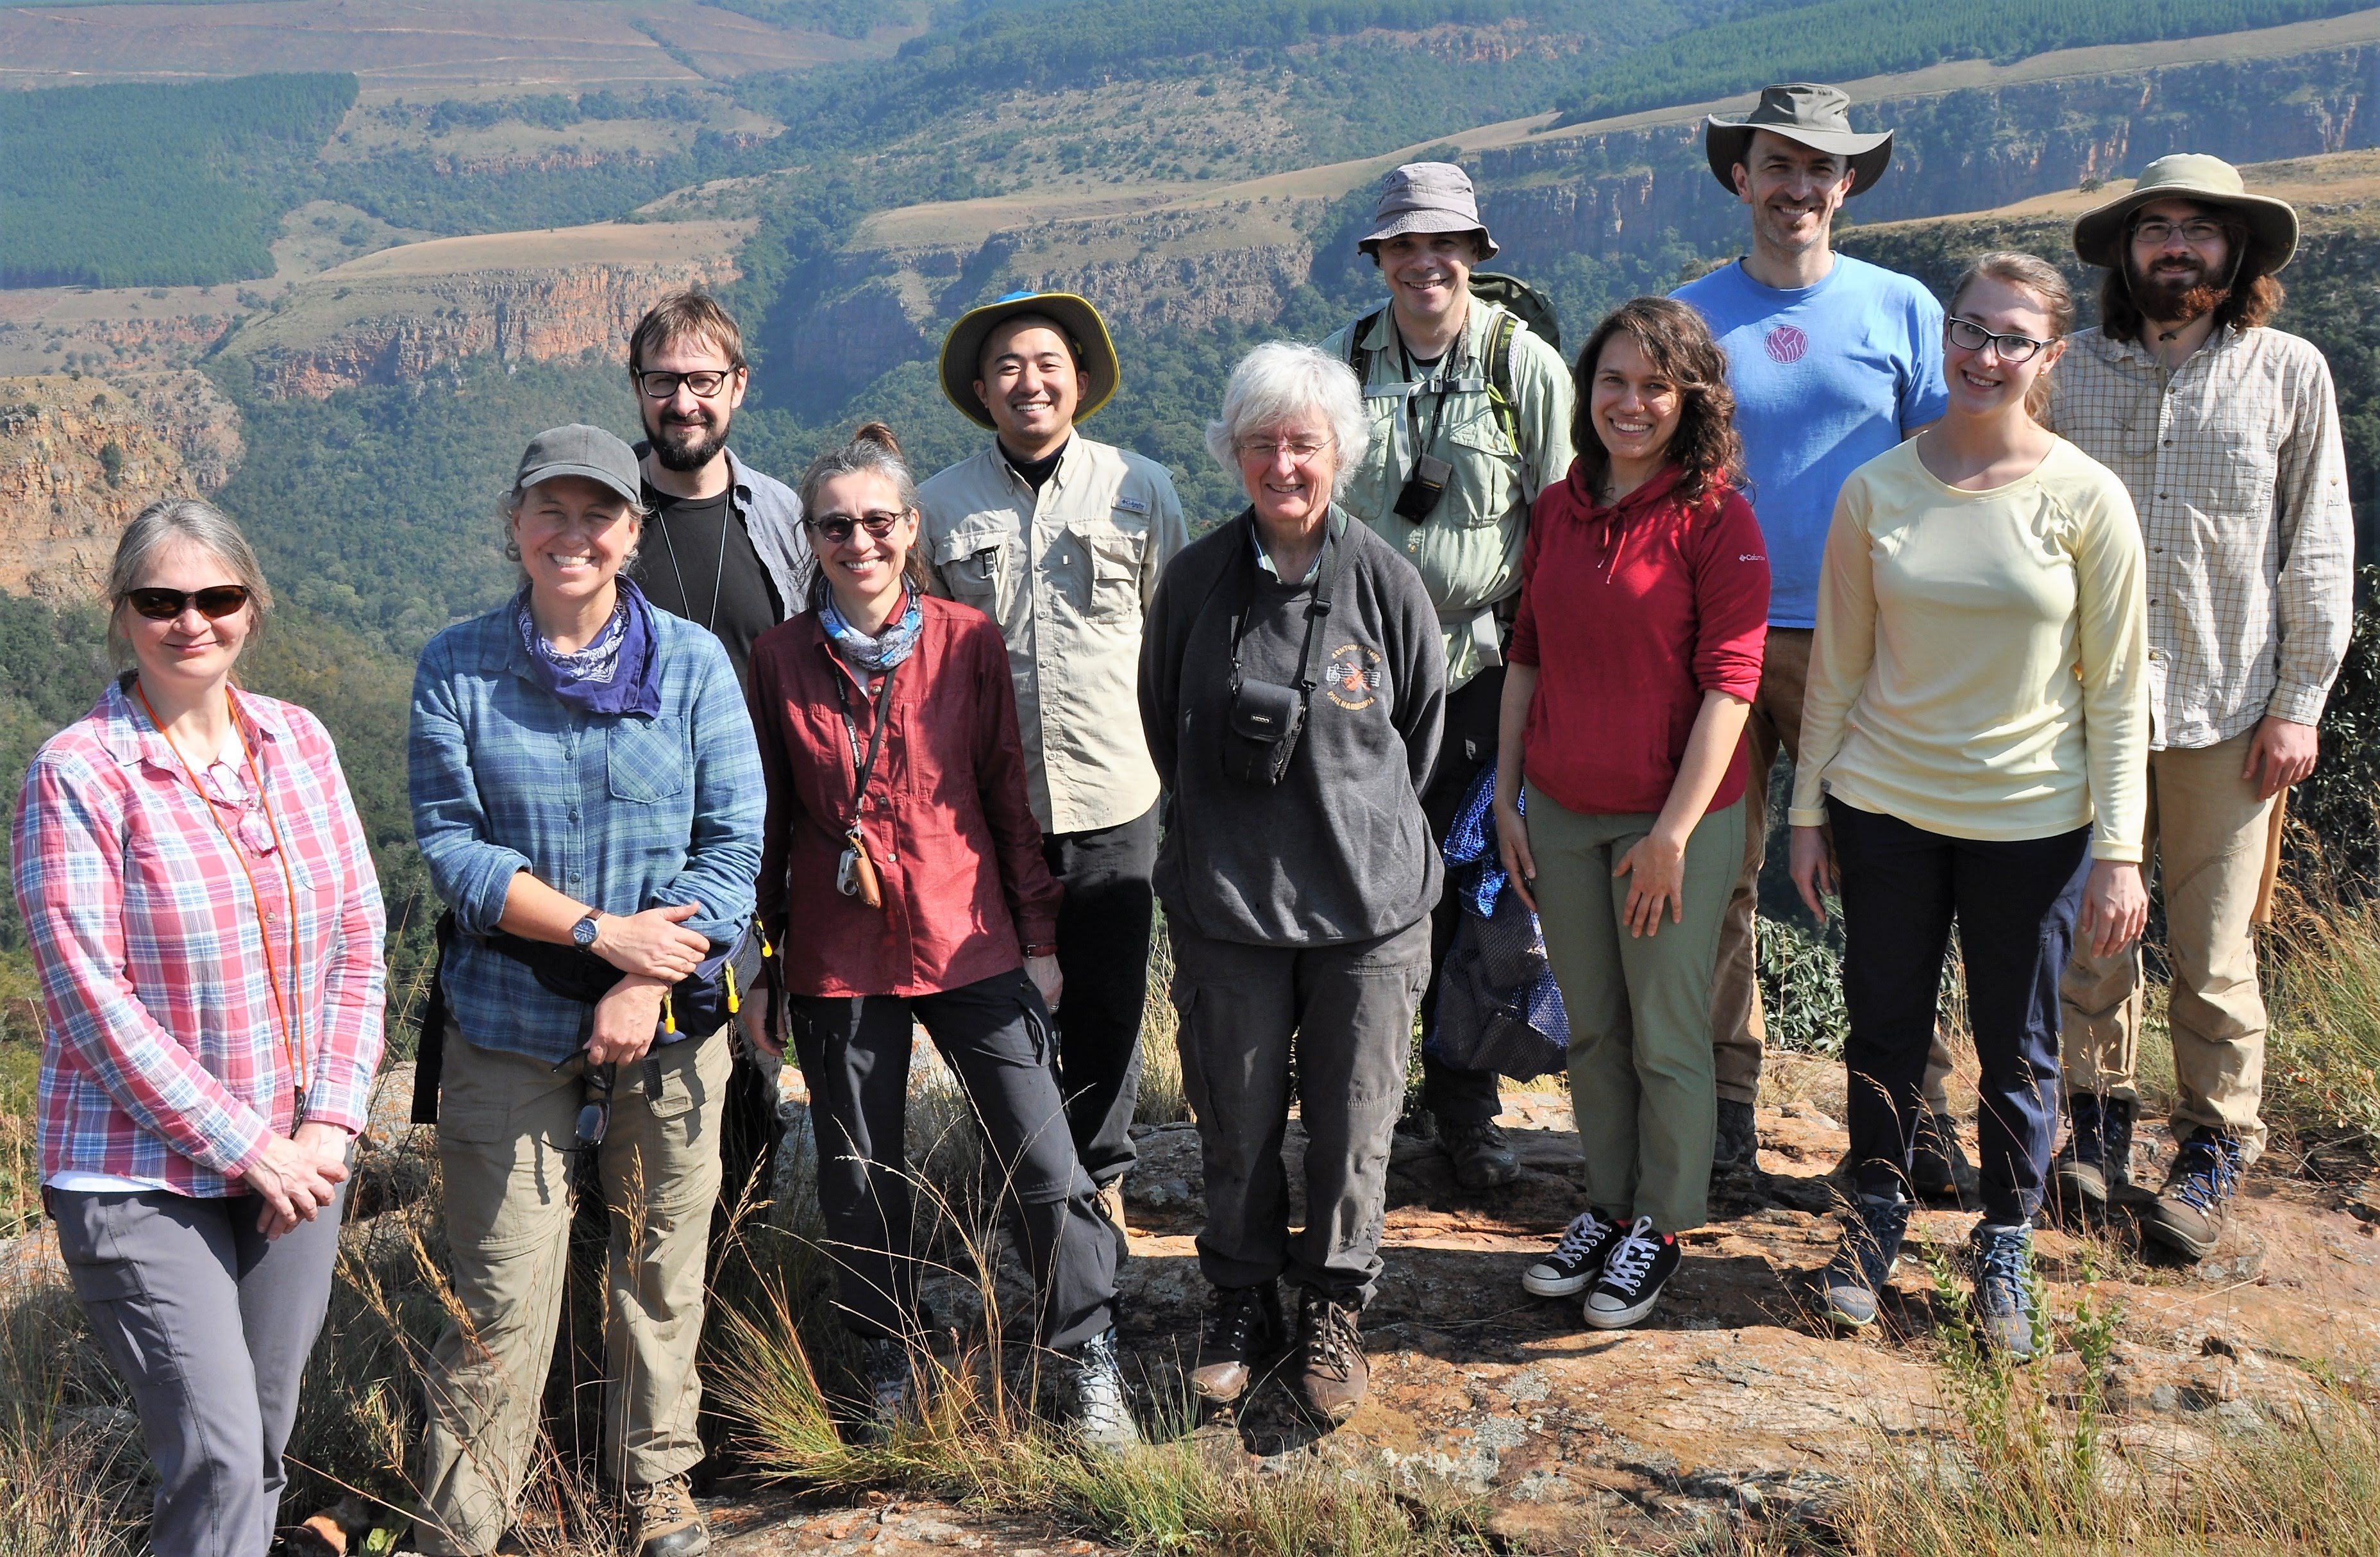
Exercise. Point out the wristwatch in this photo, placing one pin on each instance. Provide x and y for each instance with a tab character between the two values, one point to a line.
582	935
1041	951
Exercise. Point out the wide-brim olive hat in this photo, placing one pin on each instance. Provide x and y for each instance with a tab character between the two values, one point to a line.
2100	235
1816	115
1095	351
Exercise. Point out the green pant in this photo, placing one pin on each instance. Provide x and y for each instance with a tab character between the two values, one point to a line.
1640	1080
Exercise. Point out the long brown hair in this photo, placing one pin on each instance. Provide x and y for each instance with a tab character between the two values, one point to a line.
2253	296
1705	448
872	449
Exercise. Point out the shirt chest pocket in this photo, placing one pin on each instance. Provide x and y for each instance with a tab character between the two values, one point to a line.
1486	480
972	562
1112	555
645	759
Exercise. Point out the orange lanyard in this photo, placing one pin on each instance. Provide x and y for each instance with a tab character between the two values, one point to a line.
292	1045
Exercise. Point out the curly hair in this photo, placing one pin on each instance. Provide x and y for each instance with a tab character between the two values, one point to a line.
1705	448
2252	299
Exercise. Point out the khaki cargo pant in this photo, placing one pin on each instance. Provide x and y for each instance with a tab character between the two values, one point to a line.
504	1123
2208	833
1739	1027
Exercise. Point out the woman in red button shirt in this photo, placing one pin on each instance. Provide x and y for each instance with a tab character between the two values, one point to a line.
898	821
1644	609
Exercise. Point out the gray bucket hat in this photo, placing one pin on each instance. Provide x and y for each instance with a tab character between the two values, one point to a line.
1804	111
2188	175
1427	198
580	450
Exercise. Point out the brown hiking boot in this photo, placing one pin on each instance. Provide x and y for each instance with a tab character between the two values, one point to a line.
1482	1158
1331	1373
1110	1203
663	1520
2191	1210
1243	1324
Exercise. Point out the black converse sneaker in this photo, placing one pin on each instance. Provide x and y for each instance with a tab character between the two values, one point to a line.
1633	1273
1577	1260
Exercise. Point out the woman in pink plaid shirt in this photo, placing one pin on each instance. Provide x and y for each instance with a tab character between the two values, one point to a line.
203	912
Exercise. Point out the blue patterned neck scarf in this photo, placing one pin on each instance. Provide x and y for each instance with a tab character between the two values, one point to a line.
879	654
617	673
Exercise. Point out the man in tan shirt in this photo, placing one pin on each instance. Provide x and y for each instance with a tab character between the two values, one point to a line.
1060	540
2226	433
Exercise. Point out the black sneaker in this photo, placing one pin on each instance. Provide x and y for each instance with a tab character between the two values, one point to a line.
2191	1210
1577	1260
1640	1263
1938	1169
1482	1158
1738	1143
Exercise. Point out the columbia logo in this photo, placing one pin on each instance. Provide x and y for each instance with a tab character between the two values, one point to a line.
1751	557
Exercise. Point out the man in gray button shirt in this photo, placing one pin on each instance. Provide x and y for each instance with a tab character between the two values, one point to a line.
1060	540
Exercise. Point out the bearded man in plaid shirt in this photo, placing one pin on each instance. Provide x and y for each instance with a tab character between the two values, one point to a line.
2226	433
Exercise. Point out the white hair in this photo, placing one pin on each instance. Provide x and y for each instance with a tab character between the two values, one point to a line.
1281	381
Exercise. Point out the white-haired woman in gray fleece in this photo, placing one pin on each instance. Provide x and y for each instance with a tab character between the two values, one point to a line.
1292	686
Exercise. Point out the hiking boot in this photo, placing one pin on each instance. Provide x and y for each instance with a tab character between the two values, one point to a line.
1331	1373
1101	1402
1110	1204
1938	1169
1862	1268
1482	1158
2000	1259
1577	1260
1243	1324
2190	1209
2095	1166
1738	1145
1633	1273
663	1520
890	1378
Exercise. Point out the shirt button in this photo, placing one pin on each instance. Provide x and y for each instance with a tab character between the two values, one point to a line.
890	858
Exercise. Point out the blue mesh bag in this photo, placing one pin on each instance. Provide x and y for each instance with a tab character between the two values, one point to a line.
1498	1007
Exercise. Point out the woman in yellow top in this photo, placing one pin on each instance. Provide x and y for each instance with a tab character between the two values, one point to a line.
1975	736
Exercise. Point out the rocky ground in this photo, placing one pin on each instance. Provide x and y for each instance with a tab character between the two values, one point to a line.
1728	1402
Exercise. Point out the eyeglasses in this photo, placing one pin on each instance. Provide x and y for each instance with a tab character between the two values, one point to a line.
595	1111
2198	232
1969	336
215	603
837	527
1299	449
704	381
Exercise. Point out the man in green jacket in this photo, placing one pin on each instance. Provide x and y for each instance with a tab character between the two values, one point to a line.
1471	417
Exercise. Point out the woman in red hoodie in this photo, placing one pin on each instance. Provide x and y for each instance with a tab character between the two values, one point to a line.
1644	607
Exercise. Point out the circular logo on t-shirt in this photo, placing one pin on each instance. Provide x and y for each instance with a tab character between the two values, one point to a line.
1786	344
1354	680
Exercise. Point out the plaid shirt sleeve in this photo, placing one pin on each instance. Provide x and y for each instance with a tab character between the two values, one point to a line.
355	981
722	857
69	873
2314	596
450	822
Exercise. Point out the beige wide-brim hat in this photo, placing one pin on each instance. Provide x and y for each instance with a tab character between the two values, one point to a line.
2099	237
1815	115
1094	349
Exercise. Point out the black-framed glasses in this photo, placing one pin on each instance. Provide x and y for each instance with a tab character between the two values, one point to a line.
837	527
2156	232
595	1104
704	381
214	602
1969	336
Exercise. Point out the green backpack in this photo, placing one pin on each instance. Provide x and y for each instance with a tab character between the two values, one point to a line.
1523	304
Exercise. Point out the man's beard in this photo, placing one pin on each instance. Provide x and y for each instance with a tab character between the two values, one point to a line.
687	445
2176	299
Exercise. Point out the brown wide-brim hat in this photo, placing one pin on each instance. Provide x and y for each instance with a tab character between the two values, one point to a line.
2100	235
1095	351
1806	112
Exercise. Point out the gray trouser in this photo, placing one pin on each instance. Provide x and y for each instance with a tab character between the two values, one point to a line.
1348	1010
210	1324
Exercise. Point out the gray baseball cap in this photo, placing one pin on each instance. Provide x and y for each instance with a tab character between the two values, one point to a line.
1427	198
580	450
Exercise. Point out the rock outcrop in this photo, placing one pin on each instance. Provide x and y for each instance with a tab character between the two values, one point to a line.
79	455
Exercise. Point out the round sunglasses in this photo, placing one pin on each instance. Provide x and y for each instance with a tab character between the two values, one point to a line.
214	602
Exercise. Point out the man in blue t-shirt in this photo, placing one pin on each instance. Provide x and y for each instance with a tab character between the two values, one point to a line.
1833	362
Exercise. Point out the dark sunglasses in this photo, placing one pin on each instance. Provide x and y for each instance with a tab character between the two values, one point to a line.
215	603
705	382
837	527
595	1109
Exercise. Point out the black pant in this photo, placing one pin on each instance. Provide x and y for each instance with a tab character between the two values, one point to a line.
2015	904
995	1034
1103	929
748	1130
1454	1096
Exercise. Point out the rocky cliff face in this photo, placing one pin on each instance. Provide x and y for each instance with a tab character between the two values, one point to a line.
80	455
1605	195
399	330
